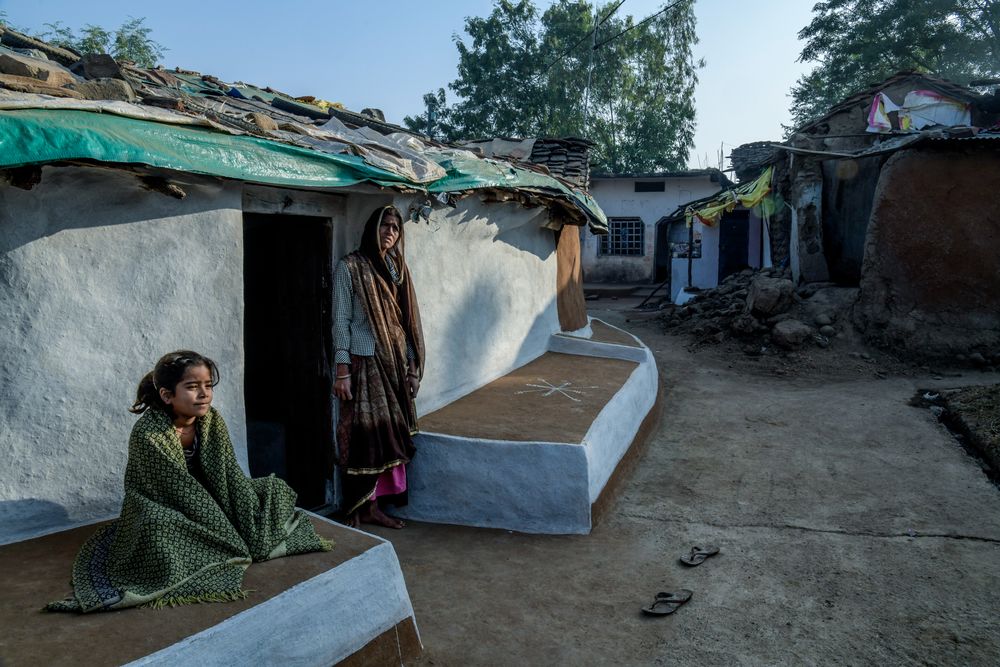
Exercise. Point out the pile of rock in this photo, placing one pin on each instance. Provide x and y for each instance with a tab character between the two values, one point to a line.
755	308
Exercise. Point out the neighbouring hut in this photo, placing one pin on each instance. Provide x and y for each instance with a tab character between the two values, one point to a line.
930	280
825	172
886	192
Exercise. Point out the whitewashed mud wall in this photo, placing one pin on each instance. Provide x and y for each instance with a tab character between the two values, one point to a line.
98	278
486	281
485	277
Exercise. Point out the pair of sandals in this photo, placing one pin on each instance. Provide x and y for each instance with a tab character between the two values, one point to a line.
668	602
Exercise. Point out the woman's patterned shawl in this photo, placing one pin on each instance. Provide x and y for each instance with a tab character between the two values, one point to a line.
386	296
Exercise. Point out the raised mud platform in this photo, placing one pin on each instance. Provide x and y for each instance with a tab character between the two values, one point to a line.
534	450
348	606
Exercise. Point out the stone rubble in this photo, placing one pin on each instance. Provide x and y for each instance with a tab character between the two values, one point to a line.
755	308
763	312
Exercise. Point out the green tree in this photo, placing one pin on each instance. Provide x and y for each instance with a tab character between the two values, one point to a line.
857	43
5	22
131	41
58	34
642	96
522	73
499	77
435	122
95	39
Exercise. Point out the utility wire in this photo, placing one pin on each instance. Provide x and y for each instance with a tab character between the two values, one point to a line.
585	37
645	20
590	74
610	12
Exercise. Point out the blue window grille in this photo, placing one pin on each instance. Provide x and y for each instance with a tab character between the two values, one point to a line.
626	236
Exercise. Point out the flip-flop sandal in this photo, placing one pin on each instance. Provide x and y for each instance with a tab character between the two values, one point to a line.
668	603
698	555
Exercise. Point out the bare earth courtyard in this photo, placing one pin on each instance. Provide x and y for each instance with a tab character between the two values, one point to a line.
853	528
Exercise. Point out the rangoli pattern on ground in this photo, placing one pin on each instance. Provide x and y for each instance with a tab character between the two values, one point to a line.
548	389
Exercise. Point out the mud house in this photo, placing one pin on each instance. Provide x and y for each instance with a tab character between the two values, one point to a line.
881	193
209	215
930	284
147	210
827	170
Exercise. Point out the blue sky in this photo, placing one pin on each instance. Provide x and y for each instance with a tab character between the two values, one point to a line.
387	54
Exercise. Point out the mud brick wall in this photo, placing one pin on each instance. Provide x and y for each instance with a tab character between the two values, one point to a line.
930	283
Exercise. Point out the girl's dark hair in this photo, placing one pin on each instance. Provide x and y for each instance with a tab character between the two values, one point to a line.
167	373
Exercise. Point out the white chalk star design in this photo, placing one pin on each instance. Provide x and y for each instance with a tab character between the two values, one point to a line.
548	389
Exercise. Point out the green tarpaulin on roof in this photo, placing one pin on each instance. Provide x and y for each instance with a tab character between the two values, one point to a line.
38	136
471	173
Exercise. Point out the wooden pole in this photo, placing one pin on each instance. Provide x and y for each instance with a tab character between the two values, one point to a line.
690	250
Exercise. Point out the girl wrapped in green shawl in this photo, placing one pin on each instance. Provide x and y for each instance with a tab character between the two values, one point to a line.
191	521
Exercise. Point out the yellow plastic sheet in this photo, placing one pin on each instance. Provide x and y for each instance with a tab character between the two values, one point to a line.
750	195
757	190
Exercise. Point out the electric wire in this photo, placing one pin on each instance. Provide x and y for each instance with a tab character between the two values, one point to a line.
584	38
645	20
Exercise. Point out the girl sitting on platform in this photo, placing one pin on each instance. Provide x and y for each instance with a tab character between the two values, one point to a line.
191	521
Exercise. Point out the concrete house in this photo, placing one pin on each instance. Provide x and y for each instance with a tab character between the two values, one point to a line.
707	248
150	210
637	247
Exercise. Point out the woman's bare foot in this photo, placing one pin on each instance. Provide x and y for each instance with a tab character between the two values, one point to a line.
384	519
373	515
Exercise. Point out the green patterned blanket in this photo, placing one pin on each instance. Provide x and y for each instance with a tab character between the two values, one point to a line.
181	541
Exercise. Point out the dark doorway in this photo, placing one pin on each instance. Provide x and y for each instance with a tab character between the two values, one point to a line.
734	237
287	278
848	197
661	252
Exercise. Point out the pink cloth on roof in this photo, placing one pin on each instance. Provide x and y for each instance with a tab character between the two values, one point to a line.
391	482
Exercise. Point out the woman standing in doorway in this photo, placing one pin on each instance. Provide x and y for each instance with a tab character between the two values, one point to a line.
379	358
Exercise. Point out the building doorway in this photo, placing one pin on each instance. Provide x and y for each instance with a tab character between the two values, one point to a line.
734	237
287	280
662	251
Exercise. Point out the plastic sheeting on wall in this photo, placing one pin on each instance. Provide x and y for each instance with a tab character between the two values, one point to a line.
878	114
920	109
751	195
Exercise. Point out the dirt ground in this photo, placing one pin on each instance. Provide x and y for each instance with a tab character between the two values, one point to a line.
854	530
976	415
